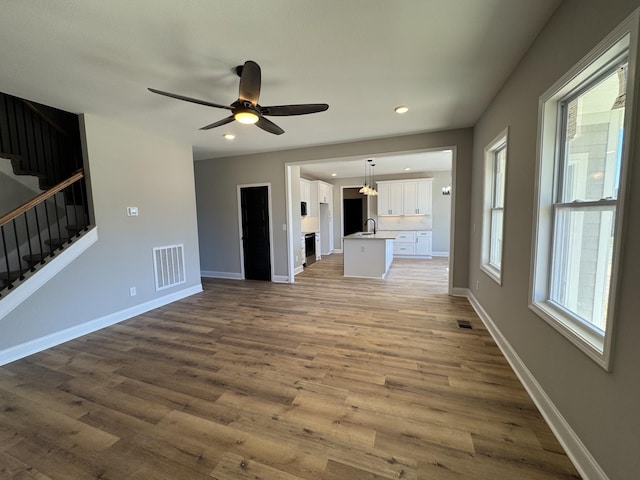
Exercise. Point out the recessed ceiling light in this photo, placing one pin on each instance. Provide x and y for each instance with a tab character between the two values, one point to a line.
334	174
401	109
406	169
229	136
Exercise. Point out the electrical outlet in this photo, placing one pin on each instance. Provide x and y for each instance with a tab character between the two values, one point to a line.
477	285
133	292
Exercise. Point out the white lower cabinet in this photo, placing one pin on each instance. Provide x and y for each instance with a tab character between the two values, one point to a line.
423	243
412	244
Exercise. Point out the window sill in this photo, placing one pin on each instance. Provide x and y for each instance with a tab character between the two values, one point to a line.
591	343
493	273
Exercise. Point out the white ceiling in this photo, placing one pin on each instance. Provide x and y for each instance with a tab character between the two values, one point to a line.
445	59
418	162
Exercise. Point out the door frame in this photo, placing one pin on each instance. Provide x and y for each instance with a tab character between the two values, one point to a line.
342	189
241	243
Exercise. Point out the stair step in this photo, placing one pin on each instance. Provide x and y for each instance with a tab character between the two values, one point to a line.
8	277
75	229
35	258
57	242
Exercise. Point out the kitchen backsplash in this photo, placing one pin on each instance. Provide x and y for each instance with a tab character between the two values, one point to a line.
310	224
405	222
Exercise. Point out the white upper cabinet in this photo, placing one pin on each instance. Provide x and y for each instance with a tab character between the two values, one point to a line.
325	193
389	198
405	197
417	197
305	191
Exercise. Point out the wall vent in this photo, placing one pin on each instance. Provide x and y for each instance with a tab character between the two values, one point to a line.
465	324
168	265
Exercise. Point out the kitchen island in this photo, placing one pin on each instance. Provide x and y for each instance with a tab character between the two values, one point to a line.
368	254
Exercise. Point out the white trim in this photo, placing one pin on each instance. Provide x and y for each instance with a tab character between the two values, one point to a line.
337	250
459	291
280	279
30	347
439	254
611	47
239	190
298	270
573	446
227	275
502	139
47	272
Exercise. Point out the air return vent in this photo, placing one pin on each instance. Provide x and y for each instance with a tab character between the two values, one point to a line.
168	264
465	324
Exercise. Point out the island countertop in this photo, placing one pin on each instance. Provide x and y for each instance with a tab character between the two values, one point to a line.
372	236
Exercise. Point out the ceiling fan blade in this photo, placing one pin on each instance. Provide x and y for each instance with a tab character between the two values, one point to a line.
250	80
269	126
219	123
189	99
286	110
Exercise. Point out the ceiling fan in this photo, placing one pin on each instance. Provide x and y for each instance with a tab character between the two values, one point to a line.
246	108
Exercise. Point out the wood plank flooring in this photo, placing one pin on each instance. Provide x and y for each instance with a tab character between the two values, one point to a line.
328	378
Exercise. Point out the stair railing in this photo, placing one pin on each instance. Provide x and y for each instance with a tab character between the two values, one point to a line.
33	233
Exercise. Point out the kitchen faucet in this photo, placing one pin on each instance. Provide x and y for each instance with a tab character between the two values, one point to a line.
374	224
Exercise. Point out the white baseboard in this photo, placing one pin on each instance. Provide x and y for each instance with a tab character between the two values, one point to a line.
460	292
227	275
298	270
439	254
47	272
37	345
280	279
573	446
337	250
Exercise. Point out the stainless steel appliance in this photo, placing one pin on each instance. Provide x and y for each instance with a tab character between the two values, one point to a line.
310	248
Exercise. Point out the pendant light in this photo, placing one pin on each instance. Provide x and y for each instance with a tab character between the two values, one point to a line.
373	191
364	188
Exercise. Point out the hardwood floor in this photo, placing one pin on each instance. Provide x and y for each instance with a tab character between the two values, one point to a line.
328	378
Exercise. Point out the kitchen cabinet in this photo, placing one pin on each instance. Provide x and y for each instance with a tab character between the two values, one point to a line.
423	243
390	198
416	198
405	197
412	244
305	192
325	193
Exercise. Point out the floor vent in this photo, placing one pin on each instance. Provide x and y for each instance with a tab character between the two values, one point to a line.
465	324
168	265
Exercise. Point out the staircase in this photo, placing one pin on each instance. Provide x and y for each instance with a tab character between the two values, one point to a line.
42	142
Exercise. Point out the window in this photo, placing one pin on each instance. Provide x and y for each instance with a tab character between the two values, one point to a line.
493	218
581	171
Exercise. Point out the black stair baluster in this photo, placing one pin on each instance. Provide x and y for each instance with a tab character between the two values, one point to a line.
15	234
46	214
83	203
38	229
55	206
26	226
6	256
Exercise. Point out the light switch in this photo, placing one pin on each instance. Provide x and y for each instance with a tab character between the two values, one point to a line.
132	211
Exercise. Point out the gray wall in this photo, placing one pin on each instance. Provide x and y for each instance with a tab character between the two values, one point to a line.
216	181
12	193
601	407
127	167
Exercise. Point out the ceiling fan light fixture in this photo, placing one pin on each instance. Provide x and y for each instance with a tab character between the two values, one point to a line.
229	136
248	118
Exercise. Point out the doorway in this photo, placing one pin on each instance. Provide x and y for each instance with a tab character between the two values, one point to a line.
354	209
255	232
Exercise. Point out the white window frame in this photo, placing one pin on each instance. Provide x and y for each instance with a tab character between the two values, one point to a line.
596	344
497	144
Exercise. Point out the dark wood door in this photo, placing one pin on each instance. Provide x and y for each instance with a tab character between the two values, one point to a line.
353	220
255	232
